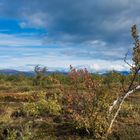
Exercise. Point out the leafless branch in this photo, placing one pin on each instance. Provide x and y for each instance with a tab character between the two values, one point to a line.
121	100
125	60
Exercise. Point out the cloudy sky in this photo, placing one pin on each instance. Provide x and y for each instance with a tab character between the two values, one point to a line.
56	33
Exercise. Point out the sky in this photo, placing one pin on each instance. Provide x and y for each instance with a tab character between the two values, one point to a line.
57	33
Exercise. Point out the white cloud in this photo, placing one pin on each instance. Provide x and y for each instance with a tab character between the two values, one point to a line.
55	62
21	54
34	20
17	40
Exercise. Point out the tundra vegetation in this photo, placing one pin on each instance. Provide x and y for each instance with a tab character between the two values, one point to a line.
76	106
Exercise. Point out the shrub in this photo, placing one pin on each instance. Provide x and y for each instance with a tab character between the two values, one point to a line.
53	107
30	109
40	77
87	108
50	106
90	115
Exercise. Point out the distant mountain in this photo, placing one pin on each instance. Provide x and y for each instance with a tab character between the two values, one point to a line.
27	73
9	71
124	72
121	72
32	73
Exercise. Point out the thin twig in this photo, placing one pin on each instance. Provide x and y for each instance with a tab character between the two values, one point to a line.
125	60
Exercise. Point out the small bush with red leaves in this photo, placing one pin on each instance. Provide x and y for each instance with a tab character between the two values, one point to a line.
87	107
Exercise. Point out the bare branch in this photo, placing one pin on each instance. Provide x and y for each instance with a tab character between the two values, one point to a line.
125	60
114	104
121	100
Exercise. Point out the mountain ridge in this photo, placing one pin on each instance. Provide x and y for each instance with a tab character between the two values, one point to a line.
32	73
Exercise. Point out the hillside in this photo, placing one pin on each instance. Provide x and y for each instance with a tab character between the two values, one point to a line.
49	108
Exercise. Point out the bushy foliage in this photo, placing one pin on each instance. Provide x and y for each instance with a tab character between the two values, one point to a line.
43	106
39	79
87	108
